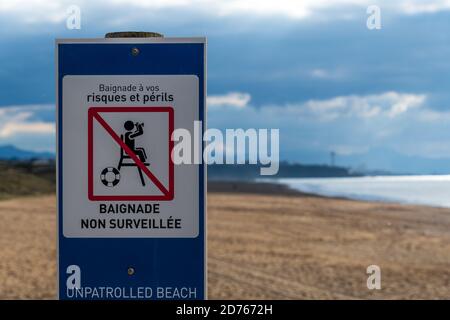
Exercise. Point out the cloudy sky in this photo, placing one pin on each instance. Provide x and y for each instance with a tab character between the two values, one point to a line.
310	68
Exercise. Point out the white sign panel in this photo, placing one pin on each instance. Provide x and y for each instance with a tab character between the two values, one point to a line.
119	177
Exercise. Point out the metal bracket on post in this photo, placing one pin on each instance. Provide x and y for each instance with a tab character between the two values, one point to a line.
133	34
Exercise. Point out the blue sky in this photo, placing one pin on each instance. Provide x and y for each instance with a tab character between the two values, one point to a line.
310	68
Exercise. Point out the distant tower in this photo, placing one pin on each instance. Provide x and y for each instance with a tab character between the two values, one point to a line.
332	158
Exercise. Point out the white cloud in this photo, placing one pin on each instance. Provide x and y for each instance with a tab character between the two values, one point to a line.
325	74
319	73
54	11
18	120
231	99
349	150
435	116
13	128
388	104
349	125
296	9
35	11
417	6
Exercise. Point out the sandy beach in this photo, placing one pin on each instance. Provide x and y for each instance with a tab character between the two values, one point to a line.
267	243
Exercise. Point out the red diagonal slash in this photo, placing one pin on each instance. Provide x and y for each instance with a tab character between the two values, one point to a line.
133	156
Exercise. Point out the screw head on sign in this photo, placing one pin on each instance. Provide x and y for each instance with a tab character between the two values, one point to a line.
130	271
135	51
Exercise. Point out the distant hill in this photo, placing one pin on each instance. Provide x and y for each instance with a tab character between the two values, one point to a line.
10	152
19	178
381	160
286	170
389	160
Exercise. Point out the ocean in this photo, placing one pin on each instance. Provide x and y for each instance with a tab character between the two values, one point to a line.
432	190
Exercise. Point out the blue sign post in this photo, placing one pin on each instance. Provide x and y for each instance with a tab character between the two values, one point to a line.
131	220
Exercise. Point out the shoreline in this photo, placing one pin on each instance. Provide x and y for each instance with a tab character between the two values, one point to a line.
279	188
254	187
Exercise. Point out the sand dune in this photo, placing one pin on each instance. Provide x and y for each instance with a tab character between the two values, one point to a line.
267	246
